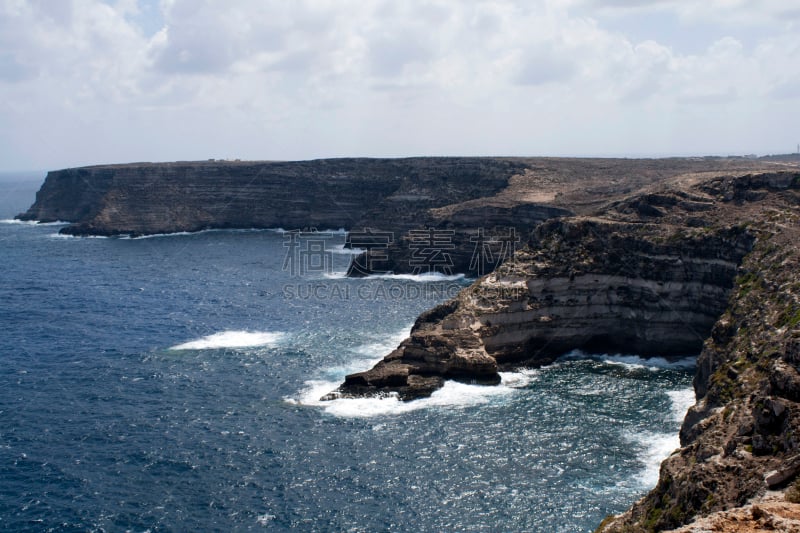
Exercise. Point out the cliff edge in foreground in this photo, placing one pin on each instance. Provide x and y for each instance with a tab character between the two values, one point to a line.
743	435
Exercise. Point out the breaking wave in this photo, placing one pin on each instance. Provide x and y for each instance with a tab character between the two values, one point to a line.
660	445
451	395
31	222
231	339
422	278
634	361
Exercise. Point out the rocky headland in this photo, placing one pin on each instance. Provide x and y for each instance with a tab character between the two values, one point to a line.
665	257
464	199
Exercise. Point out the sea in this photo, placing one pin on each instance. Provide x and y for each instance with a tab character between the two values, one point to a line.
173	383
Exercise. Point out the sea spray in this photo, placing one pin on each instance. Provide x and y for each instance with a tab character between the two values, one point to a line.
231	339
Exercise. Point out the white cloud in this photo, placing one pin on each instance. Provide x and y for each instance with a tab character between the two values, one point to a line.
85	81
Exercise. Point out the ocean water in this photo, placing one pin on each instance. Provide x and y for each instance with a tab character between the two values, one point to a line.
172	383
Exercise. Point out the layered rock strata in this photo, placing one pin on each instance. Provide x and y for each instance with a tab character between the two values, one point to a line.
147	198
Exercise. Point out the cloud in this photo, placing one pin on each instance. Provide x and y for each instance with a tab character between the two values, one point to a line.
717	12
94	80
538	67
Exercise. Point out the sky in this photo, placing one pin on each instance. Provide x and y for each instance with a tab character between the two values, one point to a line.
105	81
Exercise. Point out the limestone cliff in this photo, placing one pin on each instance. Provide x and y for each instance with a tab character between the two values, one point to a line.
147	198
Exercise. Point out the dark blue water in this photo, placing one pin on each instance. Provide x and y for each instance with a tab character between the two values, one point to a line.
103	426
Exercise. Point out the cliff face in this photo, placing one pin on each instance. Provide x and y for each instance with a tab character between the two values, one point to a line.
616	283
149	198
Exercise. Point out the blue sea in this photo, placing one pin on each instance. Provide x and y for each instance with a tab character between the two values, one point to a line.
172	383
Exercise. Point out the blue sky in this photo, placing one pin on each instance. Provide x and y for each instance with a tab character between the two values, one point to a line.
98	81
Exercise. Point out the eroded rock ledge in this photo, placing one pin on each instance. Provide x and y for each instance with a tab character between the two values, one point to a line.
649	274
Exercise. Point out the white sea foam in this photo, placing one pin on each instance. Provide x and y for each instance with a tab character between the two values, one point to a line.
634	361
340	249
265	519
384	346
210	230
652	363
682	400
31	222
422	278
159	235
66	236
520	378
659	446
369	355
340	231
231	339
451	395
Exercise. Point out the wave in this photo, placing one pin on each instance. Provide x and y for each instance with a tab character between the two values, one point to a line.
651	363
519	379
159	235
231	339
659	446
369	354
340	249
199	232
634	361
31	222
384	346
451	395
66	236
422	278
340	231
682	400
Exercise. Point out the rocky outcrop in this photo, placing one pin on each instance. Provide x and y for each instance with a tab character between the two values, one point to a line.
700	263
589	284
770	512
650	276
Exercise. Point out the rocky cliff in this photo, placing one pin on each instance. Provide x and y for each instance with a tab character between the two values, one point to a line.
468	201
699	263
147	198
742	436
